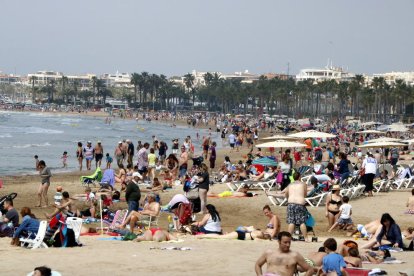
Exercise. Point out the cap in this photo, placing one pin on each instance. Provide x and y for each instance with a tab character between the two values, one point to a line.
336	187
120	142
136	174
89	142
99	141
128	140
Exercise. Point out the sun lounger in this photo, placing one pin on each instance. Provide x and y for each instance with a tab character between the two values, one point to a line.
357	191
317	200
119	218
37	242
93	179
276	200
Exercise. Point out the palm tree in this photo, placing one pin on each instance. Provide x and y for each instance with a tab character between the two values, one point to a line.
136	81
33	80
189	84
93	83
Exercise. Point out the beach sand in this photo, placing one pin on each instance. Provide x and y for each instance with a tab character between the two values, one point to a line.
207	257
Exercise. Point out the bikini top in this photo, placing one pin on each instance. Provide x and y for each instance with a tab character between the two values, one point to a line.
335	202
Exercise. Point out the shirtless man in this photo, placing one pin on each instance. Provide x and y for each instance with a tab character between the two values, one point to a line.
282	261
98	154
183	162
119	153
297	214
410	203
152	209
67	207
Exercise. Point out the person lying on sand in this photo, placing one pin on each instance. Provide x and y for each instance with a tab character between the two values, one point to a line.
314	259
243	192
155	234
241	233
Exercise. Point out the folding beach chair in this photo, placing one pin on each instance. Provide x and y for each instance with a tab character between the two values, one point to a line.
37	242
118	219
92	179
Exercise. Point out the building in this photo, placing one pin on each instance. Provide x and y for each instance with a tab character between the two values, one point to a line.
391	77
10	79
42	78
328	73
117	79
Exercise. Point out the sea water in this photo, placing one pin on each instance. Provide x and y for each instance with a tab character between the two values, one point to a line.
25	134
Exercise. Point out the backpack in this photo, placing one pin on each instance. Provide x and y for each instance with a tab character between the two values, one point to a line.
185	213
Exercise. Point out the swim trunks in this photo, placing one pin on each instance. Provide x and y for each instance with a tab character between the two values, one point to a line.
296	214
310	262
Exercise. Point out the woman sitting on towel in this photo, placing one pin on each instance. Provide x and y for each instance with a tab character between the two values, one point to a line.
241	233
211	222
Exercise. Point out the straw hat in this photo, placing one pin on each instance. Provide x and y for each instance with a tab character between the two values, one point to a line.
336	188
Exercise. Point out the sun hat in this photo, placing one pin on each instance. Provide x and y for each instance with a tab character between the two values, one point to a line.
336	187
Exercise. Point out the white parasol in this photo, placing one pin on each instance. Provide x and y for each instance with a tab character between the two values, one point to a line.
312	134
281	144
371	131
279	137
382	145
384	139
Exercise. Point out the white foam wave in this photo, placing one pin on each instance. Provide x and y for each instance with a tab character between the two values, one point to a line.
31	145
39	130
6	135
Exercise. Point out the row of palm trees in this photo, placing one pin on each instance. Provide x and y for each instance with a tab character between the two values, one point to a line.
273	96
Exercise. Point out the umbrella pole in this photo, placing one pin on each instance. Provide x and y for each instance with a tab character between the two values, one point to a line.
100	210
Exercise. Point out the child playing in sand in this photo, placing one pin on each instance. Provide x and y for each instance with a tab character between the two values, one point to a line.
64	159
58	195
108	161
344	221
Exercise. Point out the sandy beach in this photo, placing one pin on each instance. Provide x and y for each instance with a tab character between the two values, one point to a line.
207	257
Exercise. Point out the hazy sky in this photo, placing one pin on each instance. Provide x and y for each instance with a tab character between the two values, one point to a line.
177	36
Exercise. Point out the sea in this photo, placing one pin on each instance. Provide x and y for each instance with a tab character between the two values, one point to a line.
26	134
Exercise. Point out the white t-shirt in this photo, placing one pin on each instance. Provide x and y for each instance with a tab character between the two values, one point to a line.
213	226
285	168
232	139
370	165
322	177
345	211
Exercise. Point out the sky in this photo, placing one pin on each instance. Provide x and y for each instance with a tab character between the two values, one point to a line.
173	37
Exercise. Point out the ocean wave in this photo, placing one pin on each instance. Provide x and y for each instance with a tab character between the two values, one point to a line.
6	135
31	146
39	130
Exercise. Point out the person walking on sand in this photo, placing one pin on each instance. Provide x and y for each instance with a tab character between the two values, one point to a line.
89	153
45	175
99	151
282	261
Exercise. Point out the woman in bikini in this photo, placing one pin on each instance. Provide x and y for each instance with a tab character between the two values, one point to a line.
273	227
333	202
155	234
121	175
353	259
241	233
79	154
172	165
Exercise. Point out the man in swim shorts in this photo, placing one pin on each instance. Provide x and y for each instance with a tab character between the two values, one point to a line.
282	261
98	154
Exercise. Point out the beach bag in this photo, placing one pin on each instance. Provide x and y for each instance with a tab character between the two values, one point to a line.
279	178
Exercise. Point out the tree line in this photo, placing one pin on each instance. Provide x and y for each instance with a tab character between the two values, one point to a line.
378	100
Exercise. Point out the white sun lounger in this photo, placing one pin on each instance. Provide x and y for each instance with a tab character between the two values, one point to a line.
37	242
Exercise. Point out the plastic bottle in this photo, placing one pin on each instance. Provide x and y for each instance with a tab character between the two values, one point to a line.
170	224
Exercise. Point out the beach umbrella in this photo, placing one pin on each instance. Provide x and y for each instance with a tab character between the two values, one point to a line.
312	134
371	131
410	141
368	124
279	137
281	144
398	128
384	139
383	145
265	161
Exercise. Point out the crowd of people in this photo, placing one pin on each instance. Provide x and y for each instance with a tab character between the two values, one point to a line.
151	167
